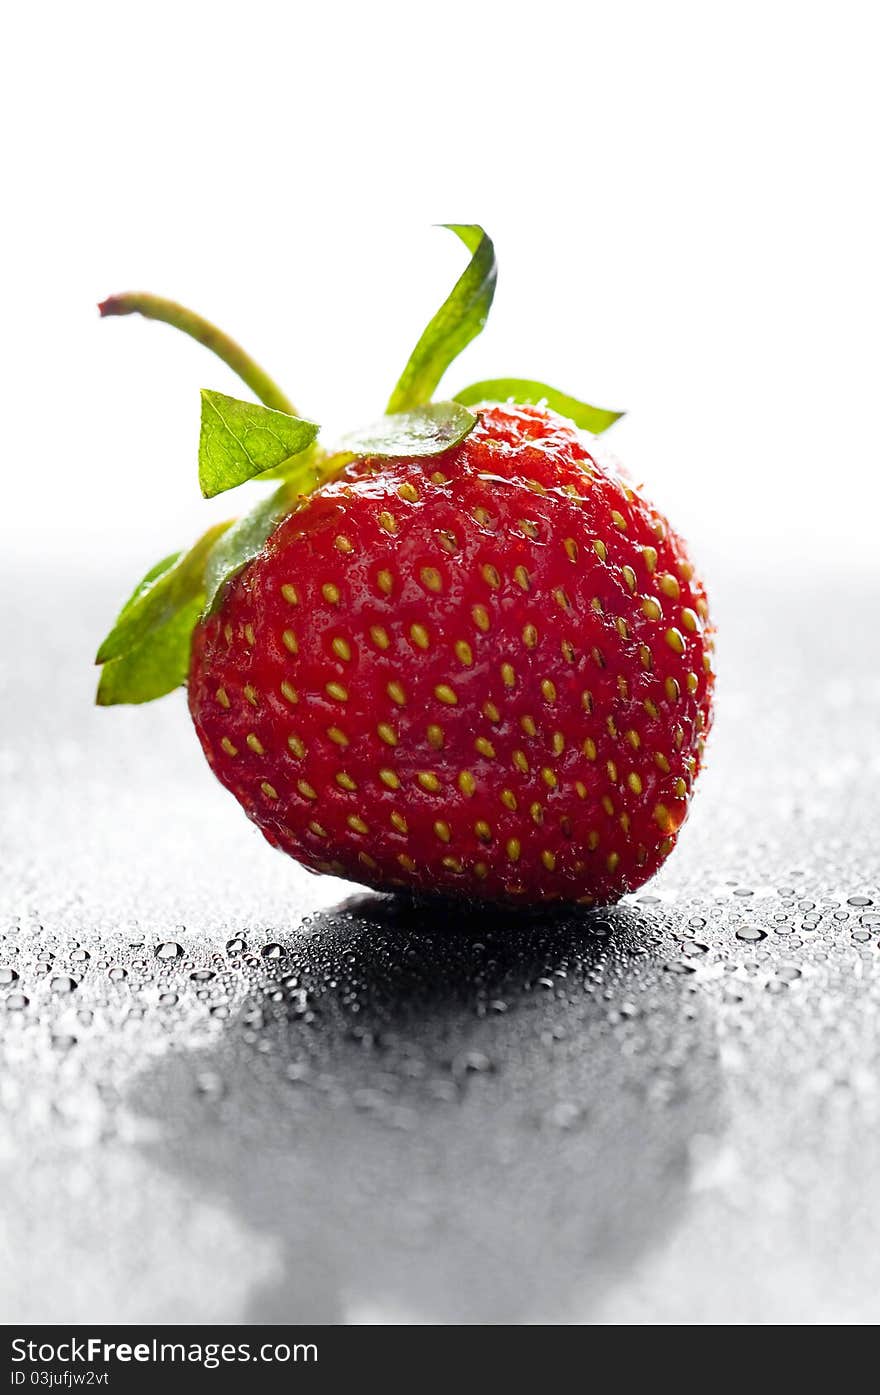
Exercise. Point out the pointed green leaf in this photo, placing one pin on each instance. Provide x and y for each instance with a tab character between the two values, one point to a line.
154	667
529	393
240	440
458	321
166	590
424	431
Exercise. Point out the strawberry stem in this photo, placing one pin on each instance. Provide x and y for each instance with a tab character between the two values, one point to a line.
155	307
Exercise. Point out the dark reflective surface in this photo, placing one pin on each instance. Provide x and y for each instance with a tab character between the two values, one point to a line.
473	1121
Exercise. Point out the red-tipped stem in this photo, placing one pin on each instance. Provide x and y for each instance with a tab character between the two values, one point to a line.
154	307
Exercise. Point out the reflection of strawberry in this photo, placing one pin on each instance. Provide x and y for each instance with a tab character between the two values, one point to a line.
462	657
484	673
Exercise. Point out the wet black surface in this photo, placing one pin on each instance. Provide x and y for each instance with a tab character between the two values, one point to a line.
230	1091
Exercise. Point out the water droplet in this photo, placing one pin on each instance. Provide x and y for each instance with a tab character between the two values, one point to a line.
209	1083
565	1115
471	1062
63	984
8	976
859	901
202	975
271	951
237	946
16	1002
117	973
751	933
80	956
170	949
298	1072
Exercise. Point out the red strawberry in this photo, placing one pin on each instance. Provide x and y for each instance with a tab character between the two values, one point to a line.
486	673
481	669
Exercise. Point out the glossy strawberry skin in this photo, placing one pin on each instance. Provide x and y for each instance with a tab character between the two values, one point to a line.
485	674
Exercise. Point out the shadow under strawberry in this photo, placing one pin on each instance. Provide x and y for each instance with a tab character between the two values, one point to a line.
443	1117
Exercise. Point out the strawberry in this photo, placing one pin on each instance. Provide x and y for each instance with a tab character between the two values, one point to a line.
471	660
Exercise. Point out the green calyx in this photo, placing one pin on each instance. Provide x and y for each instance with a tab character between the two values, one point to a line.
528	393
146	654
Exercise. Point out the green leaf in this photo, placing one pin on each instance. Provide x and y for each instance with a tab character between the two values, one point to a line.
240	440
165	591
523	390
152	575
458	321
154	667
426	430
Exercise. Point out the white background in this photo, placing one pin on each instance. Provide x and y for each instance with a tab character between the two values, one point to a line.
683	198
